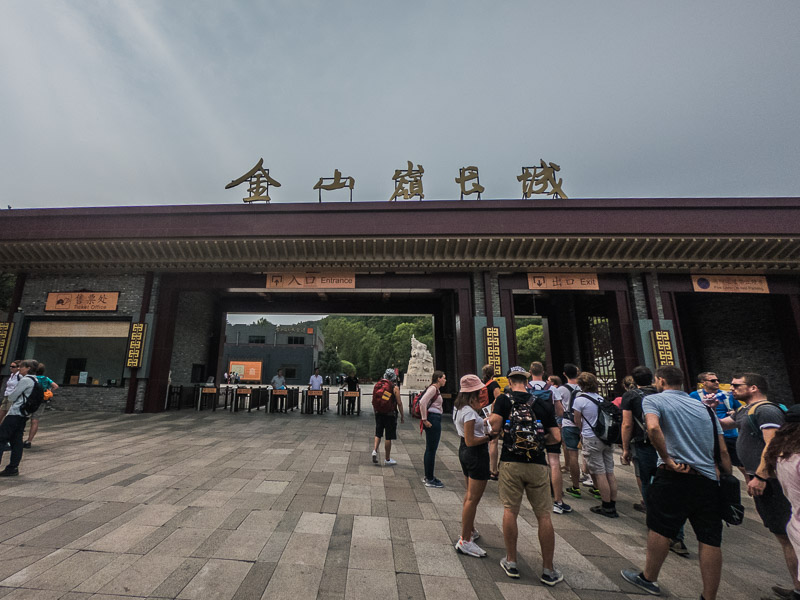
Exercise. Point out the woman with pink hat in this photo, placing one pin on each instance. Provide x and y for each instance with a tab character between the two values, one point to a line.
473	453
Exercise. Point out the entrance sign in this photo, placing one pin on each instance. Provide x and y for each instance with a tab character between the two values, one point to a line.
563	281
135	345
730	284
492	337
84	301
311	280
661	340
6	329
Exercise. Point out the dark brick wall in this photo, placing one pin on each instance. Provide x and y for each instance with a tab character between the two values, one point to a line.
194	330
727	333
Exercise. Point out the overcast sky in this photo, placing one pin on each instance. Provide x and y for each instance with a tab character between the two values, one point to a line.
137	102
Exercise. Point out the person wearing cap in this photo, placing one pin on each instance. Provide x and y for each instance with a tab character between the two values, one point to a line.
782	460
473	453
387	423
430	410
527	474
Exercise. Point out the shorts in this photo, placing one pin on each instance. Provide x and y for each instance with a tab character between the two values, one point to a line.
517	478
387	424
553	448
6	404
675	497
773	508
571	437
730	444
599	456
474	461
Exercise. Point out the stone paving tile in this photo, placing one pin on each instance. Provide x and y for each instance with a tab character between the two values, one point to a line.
221	505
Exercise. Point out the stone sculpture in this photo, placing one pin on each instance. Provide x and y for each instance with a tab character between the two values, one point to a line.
420	367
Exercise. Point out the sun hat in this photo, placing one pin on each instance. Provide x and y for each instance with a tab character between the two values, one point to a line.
518	372
470	383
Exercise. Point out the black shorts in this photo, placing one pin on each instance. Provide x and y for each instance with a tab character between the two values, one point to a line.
474	461
672	498
773	508
388	424
730	444
553	448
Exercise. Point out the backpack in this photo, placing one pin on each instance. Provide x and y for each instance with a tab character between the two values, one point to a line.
416	411
755	430
569	414
642	426
383	397
523	433
33	400
483	396
608	426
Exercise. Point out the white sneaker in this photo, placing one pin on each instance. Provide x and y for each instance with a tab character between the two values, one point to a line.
375	456
469	548
390	462
475	535
586	479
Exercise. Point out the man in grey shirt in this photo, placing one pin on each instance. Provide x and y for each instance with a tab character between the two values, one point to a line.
682	431
278	382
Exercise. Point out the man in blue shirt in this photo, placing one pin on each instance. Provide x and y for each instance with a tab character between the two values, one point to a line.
683	432
725	405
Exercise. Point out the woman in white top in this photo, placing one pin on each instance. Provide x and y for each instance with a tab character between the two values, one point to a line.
473	452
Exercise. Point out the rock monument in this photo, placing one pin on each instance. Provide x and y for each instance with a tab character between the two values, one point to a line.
420	367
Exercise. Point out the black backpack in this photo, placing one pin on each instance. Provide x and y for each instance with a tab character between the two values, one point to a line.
569	413
608	427
524	434
33	400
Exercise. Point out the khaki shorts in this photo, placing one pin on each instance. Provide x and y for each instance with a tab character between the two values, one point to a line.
534	480
599	455
5	405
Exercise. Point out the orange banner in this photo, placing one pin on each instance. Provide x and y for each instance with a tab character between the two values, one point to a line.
247	370
563	281
730	284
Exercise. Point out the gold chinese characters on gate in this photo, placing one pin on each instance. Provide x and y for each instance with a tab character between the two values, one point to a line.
563	281
311	280
135	345
492	335
536	180
661	340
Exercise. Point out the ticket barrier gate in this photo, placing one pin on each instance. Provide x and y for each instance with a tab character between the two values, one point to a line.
348	403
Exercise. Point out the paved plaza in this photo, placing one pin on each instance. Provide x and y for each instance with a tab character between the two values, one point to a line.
244	506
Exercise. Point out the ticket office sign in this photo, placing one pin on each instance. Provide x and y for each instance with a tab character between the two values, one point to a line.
661	341
492	337
133	356
81	301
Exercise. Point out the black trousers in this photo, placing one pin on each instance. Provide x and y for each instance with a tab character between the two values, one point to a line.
11	430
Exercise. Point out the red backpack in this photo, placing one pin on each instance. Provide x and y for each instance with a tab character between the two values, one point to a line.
383	402
483	395
416	411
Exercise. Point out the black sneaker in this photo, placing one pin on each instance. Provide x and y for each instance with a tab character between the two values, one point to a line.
510	568
611	513
635	577
9	472
26	444
678	547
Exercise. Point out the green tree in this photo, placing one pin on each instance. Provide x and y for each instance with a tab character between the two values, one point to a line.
348	367
530	344
329	362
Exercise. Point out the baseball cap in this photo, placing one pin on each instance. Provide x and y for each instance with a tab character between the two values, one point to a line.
518	372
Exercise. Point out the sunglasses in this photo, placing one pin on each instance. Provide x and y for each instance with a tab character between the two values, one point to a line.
14	367
735	385
713	380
